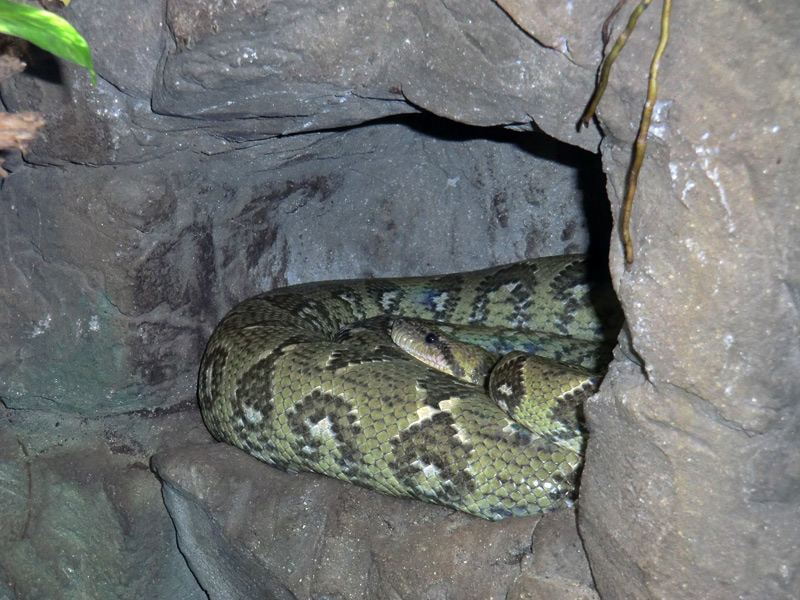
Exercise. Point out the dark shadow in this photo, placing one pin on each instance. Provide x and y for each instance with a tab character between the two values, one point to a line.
43	65
39	63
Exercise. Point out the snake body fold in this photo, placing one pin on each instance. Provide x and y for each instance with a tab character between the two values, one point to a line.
306	378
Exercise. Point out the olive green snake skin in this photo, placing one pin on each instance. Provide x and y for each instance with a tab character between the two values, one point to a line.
306	378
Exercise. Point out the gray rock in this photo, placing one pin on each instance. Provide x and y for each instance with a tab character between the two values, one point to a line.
303	66
691	483
234	72
82	513
116	282
248	530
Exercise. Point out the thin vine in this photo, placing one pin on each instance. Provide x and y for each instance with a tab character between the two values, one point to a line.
640	144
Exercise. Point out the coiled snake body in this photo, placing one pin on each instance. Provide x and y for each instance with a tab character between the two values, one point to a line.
306	378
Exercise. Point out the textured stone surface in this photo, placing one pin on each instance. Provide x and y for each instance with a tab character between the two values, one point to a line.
114	281
82	513
305	65
205	75
338	540
708	508
571	28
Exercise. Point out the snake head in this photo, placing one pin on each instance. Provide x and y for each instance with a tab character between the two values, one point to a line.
431	345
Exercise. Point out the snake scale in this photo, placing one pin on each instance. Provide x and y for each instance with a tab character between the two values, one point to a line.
306	378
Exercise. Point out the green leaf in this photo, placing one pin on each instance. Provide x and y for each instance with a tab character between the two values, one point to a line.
48	31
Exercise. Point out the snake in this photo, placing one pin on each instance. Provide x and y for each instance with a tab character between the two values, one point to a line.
308	378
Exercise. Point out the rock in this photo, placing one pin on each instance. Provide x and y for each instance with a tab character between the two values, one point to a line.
117	283
248	530
251	70
83	515
300	67
690	487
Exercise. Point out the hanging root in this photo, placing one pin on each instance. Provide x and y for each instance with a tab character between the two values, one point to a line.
641	138
647	111
605	69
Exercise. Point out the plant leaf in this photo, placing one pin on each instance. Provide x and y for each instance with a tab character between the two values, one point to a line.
48	31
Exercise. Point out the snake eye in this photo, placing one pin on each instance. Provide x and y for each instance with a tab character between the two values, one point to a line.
431	338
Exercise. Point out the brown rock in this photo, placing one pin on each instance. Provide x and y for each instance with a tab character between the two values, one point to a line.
247	528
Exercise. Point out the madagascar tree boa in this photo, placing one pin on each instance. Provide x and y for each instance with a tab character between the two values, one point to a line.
307	378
